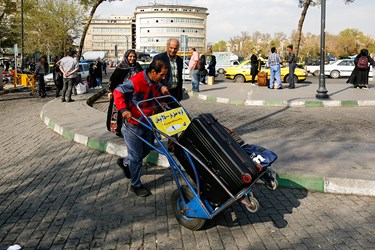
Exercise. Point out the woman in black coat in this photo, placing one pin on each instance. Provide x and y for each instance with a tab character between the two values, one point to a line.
359	76
126	69
202	69
211	66
254	66
91	77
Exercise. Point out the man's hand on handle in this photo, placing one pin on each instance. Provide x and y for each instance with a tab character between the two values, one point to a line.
164	90
126	115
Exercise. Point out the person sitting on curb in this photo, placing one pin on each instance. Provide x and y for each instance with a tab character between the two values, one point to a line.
144	85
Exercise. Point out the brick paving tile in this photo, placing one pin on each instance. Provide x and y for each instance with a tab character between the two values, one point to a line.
56	194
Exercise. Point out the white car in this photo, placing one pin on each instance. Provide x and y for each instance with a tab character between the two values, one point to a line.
186	71
83	71
343	67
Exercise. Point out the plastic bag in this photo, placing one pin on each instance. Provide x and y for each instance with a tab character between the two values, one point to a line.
81	88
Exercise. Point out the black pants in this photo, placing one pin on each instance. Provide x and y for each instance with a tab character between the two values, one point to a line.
59	85
41	86
253	78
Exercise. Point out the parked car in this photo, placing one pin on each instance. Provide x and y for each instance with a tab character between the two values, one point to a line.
186	71
313	69
241	73
341	68
83	71
144	65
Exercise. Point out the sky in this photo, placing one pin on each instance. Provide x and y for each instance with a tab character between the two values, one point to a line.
228	18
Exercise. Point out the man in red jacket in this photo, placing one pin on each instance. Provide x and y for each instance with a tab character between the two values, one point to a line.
144	85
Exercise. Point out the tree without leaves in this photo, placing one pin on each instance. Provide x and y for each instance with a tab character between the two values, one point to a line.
94	4
305	4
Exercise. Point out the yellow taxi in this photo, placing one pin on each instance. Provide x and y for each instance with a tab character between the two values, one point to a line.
241	73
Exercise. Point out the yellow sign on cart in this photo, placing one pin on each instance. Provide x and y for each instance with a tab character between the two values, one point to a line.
172	121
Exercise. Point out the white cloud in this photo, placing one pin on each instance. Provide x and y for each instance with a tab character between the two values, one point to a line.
229	18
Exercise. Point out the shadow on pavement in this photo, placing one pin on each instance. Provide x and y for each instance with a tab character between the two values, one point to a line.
274	204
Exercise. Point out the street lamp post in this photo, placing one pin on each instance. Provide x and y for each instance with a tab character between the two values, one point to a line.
322	91
22	36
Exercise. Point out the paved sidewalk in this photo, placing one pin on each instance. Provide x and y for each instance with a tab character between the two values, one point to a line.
304	95
58	194
332	167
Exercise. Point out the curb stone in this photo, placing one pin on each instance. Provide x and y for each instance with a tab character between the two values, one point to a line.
268	103
312	183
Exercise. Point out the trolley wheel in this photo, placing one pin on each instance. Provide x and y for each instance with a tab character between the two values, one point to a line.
272	185
193	224
252	204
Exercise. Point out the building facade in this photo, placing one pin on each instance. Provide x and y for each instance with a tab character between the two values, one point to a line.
105	34
148	30
156	23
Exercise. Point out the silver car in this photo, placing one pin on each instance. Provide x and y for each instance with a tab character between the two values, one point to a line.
83	71
343	67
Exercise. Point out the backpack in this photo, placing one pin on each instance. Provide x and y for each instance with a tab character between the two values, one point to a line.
362	62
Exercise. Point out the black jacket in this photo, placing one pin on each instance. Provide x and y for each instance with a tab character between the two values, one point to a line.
118	76
177	92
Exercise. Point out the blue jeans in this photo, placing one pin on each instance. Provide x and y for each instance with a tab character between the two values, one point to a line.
99	81
202	79
194	79
275	74
292	66
137	150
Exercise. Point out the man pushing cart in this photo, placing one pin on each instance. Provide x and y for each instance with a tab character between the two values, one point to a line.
211	169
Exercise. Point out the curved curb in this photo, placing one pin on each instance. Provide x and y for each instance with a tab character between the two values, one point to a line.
312	183
292	103
109	147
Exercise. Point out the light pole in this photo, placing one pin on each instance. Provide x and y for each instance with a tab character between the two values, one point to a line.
321	93
22	36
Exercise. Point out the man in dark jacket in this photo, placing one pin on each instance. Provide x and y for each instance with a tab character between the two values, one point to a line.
98	71
173	79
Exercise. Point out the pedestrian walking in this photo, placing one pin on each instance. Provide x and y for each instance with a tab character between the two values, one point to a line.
143	85
274	61
253	66
69	67
105	67
291	59
98	71
202	69
173	79
126	69
359	76
40	70
194	69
